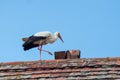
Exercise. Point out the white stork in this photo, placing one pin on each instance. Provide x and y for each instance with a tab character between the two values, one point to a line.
39	39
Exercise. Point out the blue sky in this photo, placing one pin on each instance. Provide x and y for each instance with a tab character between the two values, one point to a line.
92	26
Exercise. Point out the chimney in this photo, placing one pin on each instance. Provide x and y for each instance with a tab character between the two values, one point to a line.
69	54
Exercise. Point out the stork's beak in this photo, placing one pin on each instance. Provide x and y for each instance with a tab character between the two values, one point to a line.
60	37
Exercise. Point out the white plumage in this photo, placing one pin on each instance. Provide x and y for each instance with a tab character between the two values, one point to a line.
50	38
45	33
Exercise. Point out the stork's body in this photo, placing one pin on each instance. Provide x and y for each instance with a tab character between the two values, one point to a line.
39	39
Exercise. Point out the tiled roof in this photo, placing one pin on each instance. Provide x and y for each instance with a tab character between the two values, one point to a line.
64	69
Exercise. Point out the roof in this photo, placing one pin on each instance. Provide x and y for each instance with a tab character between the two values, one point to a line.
63	69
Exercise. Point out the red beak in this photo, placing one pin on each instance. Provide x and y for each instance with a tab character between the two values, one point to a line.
60	38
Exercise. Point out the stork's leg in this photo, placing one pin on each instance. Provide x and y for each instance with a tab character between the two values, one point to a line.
47	52
40	48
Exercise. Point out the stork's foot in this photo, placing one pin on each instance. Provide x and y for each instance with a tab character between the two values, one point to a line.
50	53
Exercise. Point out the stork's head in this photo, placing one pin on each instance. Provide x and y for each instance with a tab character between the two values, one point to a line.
59	36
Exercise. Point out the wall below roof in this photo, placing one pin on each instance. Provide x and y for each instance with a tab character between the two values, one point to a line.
78	69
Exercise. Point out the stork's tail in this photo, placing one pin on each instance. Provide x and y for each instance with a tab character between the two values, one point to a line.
24	39
28	44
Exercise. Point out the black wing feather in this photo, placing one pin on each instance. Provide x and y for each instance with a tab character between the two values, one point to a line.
29	43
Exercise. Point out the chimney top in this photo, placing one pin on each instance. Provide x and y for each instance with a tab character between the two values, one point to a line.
69	54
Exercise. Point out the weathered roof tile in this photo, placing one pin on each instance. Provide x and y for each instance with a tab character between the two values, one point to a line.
64	69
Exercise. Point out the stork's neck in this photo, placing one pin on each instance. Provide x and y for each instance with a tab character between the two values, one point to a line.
52	38
55	36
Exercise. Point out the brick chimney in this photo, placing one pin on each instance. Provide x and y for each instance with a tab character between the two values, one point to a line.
69	54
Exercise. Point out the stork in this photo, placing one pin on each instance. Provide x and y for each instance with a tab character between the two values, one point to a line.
39	39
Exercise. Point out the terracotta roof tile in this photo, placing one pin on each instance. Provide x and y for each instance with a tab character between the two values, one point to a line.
63	69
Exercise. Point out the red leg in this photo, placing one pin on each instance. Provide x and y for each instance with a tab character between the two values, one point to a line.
47	52
40	48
